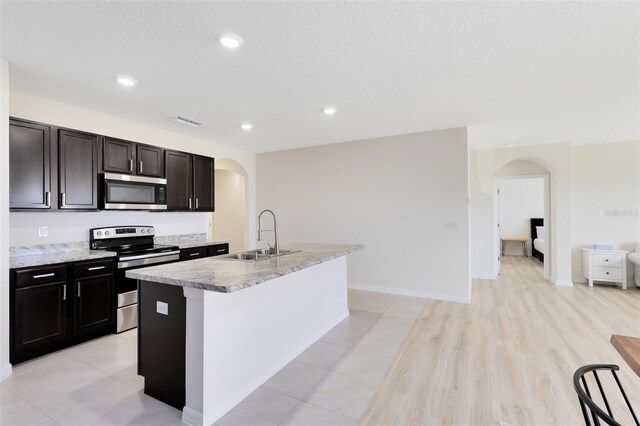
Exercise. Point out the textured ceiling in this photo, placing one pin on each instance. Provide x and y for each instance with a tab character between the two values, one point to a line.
514	72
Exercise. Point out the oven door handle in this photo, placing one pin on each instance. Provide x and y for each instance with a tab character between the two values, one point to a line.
145	256
150	260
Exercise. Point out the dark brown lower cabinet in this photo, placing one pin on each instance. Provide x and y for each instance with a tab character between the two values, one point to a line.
162	342
56	306
40	318
94	304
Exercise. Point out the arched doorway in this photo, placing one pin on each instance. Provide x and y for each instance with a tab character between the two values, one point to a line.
525	169
229	222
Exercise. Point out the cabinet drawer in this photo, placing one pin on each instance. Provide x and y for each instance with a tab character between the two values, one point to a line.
86	269
608	260
218	249
604	273
193	253
27	277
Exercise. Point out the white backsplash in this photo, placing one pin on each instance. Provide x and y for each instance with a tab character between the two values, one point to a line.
72	227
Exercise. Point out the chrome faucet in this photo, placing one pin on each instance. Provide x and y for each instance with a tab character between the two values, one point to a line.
276	246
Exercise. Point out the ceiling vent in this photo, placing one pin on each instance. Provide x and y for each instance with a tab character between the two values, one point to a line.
187	121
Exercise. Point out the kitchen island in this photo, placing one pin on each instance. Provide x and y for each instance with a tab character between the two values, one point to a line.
222	327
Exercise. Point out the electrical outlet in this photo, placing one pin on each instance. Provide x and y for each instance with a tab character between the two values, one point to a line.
162	308
43	231
451	226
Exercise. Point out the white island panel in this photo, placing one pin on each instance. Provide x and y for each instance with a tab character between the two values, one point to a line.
236	341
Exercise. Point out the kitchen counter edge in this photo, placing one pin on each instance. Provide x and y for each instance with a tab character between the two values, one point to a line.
311	255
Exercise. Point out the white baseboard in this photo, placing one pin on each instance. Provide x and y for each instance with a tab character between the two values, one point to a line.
581	280
5	372
412	293
194	418
484	276
562	283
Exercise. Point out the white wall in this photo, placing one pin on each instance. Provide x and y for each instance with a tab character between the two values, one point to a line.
229	218
519	201
485	165
5	367
72	227
68	226
605	189
394	194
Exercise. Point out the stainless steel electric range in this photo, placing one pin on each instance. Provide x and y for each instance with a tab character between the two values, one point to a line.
136	249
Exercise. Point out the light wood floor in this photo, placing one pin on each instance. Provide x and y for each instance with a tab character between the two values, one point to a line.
509	356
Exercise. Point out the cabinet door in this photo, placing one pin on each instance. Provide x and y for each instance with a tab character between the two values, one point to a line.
150	161
29	165
203	188
117	156
39	319
78	170
94	309
179	180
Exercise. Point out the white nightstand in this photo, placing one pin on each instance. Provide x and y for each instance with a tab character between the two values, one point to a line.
605	265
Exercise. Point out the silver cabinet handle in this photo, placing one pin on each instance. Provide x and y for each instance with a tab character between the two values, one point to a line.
140	166
51	274
63	197
194	254
221	250
189	202
64	292
79	284
131	166
48	198
96	268
196	203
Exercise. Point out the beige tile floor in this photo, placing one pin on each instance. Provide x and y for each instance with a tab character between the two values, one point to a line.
331	383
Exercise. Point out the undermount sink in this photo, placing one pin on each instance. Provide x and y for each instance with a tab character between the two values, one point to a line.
260	254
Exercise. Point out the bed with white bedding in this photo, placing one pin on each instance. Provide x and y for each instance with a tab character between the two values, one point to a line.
537	236
538	244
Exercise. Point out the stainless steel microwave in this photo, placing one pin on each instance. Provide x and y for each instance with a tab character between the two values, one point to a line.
125	192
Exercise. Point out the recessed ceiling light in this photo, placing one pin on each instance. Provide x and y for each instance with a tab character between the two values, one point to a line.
231	40
126	80
246	126
329	110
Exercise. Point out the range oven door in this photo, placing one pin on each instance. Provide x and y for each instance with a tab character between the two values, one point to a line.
127	307
124	192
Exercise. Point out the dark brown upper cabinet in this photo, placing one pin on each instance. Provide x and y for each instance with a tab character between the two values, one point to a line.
189	182
117	155
77	170
178	172
203	188
120	156
29	165
150	161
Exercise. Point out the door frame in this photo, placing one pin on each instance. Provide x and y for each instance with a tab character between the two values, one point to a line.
547	219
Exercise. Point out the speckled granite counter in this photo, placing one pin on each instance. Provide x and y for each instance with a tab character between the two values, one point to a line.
227	276
186	241
24	261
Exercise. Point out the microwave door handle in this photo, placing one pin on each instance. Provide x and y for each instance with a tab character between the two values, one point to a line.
140	166
131	166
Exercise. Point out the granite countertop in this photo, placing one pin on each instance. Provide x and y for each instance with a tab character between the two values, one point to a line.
186	245
227	276
186	241
23	261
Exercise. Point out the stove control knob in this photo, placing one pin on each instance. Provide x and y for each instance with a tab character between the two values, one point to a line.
142	231
99	233
106	232
149	231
